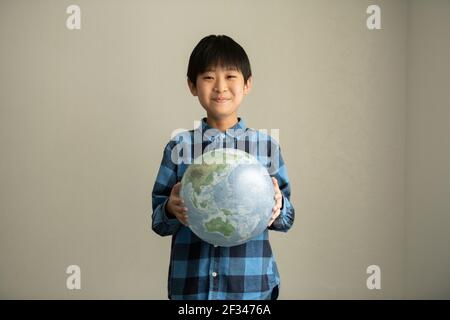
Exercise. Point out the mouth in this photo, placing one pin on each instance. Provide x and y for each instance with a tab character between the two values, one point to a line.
220	100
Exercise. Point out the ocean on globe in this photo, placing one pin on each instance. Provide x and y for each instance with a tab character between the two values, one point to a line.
229	196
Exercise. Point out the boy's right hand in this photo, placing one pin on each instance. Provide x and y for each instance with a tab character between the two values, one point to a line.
175	206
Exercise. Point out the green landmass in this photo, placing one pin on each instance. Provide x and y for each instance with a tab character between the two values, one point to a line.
217	224
194	201
203	175
226	212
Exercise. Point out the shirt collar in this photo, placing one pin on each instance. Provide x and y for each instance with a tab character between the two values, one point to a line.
234	132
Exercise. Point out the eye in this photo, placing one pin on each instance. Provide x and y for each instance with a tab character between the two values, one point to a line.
231	77
207	77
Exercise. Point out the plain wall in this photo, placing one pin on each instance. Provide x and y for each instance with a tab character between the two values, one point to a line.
427	264
85	115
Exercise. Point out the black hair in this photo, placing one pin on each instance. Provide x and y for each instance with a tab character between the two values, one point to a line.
217	50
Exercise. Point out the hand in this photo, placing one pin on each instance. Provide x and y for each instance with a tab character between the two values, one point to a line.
278	202
175	205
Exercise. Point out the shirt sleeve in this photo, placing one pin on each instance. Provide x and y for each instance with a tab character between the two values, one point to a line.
165	180
287	213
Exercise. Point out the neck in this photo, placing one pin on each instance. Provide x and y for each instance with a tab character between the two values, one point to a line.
222	124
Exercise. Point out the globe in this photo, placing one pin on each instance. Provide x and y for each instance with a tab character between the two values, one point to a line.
229	196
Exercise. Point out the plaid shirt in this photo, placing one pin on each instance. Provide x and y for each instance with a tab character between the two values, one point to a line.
199	270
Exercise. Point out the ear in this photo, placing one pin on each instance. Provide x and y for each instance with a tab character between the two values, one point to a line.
248	85
192	87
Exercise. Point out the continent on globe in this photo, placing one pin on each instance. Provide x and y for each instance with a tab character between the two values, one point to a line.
217	224
229	196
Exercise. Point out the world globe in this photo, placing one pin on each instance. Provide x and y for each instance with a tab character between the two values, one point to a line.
229	196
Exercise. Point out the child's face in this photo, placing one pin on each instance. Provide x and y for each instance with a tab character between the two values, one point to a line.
220	91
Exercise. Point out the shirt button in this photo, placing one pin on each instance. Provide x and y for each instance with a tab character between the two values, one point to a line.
214	274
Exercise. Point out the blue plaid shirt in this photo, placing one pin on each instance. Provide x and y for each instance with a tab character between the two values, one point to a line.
199	270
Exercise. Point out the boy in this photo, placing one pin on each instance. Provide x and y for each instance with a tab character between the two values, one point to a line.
219	74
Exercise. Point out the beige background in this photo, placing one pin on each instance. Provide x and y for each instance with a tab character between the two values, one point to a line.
364	119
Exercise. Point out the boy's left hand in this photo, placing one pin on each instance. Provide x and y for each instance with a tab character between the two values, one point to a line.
278	202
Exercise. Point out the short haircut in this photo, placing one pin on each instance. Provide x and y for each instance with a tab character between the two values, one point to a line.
214	50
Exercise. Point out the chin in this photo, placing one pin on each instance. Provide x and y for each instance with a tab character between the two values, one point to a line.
219	116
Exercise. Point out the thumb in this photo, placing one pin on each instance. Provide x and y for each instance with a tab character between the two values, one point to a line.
176	189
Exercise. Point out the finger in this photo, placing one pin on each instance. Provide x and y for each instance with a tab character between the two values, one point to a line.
271	221
277	196
275	215
181	213
280	202
178	201
275	181
182	217
184	220
275	186
180	209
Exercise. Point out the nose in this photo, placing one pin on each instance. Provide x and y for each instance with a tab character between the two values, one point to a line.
220	86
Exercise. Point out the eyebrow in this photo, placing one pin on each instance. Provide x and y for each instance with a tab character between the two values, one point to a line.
227	69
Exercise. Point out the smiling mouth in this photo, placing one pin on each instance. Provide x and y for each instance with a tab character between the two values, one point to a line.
220	100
